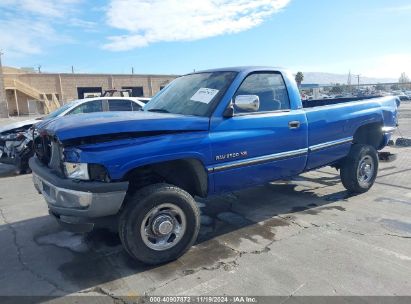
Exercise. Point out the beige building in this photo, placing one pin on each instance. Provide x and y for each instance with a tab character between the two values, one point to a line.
32	93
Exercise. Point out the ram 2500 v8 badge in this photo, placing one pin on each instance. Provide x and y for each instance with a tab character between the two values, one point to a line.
206	133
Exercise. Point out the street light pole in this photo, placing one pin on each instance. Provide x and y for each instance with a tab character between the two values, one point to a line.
4	111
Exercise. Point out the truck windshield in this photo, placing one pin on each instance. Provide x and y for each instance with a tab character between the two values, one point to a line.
194	94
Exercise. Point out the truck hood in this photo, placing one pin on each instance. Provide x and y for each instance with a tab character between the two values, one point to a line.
105	123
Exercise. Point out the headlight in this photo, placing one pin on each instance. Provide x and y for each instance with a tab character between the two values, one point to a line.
76	170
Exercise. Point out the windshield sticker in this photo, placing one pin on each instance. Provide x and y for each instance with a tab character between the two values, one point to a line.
204	95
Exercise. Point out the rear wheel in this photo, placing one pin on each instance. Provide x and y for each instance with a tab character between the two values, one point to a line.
359	169
159	223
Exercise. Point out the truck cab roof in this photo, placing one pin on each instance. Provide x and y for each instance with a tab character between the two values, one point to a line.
243	69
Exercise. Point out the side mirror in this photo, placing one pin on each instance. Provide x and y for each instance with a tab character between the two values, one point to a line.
249	103
229	112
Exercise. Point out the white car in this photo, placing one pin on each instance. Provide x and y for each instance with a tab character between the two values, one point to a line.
144	99
16	140
87	105
98	104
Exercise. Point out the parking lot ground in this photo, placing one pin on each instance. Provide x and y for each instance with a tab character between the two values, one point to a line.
306	236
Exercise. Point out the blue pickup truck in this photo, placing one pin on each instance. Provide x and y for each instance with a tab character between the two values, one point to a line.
206	133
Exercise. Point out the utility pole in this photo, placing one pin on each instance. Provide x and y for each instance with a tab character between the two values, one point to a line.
132	70
358	81
4	110
349	82
72	69
39	68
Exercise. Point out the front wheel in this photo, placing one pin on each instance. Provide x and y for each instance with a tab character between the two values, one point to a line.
359	169
159	223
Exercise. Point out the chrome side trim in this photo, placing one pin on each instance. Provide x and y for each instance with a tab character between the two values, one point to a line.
388	130
277	156
330	144
257	160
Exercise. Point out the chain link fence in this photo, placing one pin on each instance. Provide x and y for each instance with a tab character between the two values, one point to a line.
315	91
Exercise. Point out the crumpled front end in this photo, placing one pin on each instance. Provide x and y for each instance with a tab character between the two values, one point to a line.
74	203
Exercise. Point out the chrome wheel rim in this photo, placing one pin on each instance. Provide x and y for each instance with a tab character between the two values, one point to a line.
163	227
365	171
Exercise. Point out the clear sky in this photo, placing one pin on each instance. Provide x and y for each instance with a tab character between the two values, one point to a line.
370	37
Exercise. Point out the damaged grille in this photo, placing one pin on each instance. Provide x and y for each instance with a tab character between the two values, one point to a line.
48	151
42	147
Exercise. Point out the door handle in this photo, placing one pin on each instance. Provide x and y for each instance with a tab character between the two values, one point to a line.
295	124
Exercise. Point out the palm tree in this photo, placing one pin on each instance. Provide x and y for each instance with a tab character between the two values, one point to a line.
299	77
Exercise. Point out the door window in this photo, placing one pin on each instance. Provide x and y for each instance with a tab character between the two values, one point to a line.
119	105
88	92
88	107
269	87
136	106
135	91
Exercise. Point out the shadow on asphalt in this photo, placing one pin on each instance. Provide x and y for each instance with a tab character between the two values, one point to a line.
252	214
7	170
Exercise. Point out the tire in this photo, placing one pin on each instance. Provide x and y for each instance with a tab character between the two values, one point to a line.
150	214
359	169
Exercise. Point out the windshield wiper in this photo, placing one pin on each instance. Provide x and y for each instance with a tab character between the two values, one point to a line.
158	110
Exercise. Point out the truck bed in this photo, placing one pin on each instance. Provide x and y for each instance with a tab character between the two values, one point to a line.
331	120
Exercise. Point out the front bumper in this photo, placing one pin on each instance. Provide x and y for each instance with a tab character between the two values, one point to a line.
388	130
387	133
77	203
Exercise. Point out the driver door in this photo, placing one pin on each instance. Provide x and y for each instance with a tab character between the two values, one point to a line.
260	145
